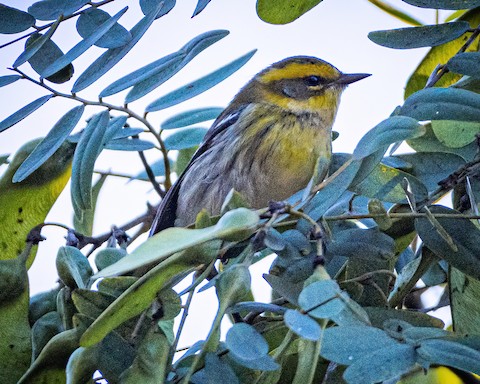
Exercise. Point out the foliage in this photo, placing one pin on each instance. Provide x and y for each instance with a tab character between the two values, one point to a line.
348	257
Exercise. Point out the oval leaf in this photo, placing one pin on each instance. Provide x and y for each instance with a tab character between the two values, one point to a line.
416	37
201	85
444	4
129	145
90	20
245	342
302	325
185	138
148	6
466	63
321	299
194	116
455	134
23	112
443	104
33	45
53	9
13	20
48	146
389	131
283	11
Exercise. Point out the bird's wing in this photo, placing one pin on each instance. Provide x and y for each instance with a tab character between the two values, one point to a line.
166	213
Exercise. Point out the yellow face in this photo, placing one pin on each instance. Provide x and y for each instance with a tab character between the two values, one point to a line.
304	84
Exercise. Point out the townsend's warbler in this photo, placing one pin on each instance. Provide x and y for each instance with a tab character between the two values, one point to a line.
265	144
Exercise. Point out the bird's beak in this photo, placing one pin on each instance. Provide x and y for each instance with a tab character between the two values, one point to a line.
348	78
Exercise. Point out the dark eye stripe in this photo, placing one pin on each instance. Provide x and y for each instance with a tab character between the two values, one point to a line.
314	80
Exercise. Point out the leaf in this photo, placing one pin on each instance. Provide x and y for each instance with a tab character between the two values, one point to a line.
201	4
9	79
396	13
201	85
321	299
158	169
93	18
465	306
466	63
218	370
442	104
392	130
129	145
49	145
187	52
385	183
84	225
13	20
465	237
52	9
194	116
454	133
388	363
185	138
22	113
245	342
73	267
303	325
283	11
112	56
451	354
148	6
348	344
87	151
48	53
240	222
444	4
83	45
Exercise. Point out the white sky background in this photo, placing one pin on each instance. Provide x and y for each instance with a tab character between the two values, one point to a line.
335	31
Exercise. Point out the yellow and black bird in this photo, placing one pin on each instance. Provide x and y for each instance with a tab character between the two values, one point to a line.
265	144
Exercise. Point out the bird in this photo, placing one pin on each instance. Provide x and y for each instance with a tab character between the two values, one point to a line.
265	144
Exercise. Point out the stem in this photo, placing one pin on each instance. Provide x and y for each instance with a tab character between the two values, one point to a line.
109	106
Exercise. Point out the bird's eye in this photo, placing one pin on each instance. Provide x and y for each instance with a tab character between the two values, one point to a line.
313	80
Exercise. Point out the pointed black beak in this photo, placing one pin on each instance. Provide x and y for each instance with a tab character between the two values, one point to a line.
348	78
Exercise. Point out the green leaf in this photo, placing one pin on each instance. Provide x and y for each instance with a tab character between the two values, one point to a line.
444	4
443	104
73	267
396	13
83	45
49	145
217	370
44	56
9	79
321	299
43	330
385	183
303	325
199	86
185	138
451	354
194	116
463	233
23	112
239	223
52	9
13	20
148	6
416	37
454	133
245	342
283	11
84	224
86	154
92	19
201	4
112	56
348	344
466	63
392	130
387	363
